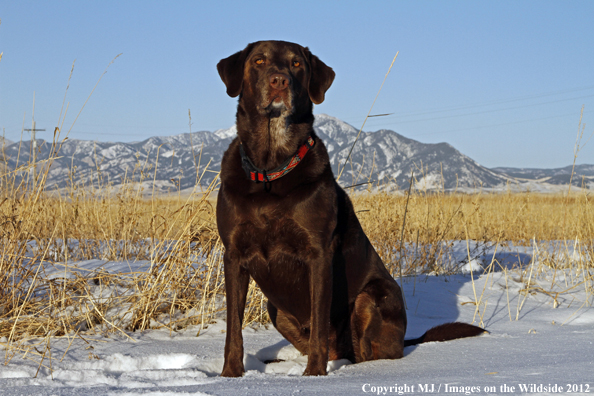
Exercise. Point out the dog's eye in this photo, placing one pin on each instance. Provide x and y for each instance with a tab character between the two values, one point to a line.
296	63
259	61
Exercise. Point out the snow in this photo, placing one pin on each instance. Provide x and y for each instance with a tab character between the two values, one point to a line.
533	340
226	133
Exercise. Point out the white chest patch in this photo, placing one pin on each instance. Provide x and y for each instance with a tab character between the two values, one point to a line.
278	131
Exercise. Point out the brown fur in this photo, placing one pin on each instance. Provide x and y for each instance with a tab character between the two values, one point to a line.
329	293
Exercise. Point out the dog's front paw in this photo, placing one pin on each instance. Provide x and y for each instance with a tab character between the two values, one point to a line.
315	368
315	371
230	370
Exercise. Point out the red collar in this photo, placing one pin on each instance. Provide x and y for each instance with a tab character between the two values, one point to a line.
266	176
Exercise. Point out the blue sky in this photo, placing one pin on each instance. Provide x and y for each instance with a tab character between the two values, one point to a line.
502	81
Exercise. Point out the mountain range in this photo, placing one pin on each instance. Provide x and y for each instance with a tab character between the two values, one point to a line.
172	163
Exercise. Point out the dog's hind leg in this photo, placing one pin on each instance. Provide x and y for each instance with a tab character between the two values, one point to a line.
378	322
290	328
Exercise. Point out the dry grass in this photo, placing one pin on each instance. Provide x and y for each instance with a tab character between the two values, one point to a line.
436	219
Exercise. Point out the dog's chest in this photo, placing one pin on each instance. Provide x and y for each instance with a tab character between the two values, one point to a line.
276	252
271	238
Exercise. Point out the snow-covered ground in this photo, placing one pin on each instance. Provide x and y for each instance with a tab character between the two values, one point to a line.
539	342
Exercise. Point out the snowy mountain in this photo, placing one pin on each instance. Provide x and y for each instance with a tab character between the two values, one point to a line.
582	174
388	156
382	156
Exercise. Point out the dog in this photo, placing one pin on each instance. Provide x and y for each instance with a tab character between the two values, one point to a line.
286	223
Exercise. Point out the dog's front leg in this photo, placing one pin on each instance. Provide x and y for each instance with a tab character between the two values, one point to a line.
320	289
236	286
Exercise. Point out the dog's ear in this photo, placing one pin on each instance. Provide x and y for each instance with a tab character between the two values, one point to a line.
231	71
320	79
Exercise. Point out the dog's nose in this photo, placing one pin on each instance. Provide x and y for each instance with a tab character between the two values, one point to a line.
279	81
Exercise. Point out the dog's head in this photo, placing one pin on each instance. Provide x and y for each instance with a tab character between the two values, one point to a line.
275	76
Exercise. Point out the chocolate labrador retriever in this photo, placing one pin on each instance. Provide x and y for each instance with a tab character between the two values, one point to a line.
285	222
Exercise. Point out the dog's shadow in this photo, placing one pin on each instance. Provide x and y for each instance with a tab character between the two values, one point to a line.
434	300
506	260
283	358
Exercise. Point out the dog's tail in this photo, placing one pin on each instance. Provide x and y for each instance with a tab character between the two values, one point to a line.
446	332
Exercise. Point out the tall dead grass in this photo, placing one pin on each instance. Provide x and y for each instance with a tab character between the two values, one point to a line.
435	220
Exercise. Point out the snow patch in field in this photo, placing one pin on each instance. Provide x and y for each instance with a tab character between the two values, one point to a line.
17	372
473	266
